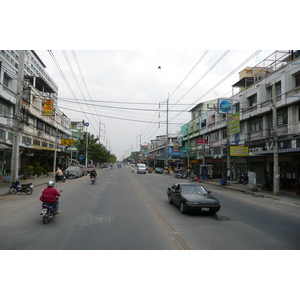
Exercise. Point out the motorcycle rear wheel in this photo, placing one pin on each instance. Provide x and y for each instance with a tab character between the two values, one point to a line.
45	219
28	190
13	190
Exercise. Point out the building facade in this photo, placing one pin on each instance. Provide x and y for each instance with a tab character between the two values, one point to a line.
40	134
267	109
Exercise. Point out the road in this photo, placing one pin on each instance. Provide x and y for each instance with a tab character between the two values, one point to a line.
129	211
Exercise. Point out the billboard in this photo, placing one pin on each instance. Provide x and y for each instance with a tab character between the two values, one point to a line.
48	107
234	123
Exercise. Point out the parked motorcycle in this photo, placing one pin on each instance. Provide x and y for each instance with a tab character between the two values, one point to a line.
243	179
180	175
194	178
21	188
47	211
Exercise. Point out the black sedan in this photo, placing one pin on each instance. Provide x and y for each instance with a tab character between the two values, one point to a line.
192	197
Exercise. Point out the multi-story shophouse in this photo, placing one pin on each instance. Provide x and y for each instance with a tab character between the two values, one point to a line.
267	107
195	139
157	148
40	133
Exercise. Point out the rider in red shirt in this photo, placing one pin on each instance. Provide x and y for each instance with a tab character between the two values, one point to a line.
49	196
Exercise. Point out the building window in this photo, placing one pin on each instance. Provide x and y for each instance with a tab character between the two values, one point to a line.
224	133
6	80
2	134
10	136
297	77
47	128
278	88
3	111
39	125
256	124
269	93
282	117
252	100
284	144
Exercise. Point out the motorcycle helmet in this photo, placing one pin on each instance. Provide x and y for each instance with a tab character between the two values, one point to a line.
50	183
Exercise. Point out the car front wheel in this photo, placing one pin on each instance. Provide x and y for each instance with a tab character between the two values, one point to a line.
183	208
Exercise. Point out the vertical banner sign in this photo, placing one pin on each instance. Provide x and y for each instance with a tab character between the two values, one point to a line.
234	123
48	107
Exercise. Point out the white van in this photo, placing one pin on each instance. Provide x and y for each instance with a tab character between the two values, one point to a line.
141	168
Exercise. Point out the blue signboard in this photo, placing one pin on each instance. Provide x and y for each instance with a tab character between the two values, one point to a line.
81	157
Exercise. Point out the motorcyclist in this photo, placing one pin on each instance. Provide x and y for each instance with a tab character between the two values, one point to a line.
49	195
93	174
59	174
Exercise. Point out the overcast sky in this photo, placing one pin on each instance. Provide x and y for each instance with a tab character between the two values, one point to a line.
123	94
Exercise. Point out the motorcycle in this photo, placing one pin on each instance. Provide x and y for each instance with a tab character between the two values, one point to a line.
93	180
21	188
194	178
47	211
61	178
180	175
243	179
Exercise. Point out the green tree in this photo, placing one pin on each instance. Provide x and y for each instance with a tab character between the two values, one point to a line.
96	152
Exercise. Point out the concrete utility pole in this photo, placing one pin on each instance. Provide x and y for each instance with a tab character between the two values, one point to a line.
166	161
275	138
17	118
228	145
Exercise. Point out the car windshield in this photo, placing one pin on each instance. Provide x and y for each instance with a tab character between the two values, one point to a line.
193	189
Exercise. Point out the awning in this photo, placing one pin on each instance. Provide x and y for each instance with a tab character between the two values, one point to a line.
45	148
3	147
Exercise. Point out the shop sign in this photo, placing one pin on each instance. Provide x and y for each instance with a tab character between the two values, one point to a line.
239	151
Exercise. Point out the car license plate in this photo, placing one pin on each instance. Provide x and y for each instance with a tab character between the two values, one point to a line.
205	209
44	210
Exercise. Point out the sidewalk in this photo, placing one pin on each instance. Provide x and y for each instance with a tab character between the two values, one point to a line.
283	195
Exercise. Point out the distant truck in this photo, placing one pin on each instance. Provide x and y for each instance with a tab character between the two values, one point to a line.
141	168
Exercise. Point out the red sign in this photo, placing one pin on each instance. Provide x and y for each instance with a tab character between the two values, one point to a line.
201	141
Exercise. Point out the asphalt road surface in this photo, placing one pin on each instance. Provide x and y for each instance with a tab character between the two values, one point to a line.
130	211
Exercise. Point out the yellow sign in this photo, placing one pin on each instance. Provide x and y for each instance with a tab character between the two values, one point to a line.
67	142
48	107
239	151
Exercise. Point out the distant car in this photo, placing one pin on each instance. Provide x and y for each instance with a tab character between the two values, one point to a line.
159	170
141	168
105	166
90	168
192	197
73	172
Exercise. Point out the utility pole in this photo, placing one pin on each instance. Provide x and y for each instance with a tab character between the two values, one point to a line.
55	152
86	145
228	146
275	138
16	122
166	162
